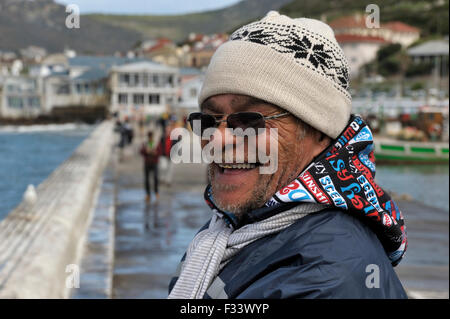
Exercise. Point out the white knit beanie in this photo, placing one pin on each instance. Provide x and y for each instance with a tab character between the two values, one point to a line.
295	64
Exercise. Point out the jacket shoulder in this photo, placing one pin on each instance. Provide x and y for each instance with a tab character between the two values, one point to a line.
323	255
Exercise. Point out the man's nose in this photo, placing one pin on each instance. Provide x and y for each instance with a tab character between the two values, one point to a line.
222	135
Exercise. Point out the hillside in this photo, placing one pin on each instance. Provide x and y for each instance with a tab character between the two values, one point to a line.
430	16
178	27
42	23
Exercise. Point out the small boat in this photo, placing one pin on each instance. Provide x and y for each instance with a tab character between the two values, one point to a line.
406	152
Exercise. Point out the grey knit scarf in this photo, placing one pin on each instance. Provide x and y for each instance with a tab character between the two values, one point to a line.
212	248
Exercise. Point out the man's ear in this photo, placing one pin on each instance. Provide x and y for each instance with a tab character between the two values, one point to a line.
322	141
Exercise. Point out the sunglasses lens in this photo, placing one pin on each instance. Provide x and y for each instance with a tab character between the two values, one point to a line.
200	122
245	120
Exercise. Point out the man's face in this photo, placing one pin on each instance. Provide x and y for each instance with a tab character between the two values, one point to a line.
241	190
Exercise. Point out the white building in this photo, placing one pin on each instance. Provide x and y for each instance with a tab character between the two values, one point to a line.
143	88
435	51
189	91
87	89
394	31
359	50
20	97
83	83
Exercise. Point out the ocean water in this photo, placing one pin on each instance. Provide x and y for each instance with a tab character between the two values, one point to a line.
29	154
428	184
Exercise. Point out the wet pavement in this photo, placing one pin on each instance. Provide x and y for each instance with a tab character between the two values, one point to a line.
424	270
151	238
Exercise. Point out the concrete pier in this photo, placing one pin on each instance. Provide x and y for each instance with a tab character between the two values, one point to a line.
39	241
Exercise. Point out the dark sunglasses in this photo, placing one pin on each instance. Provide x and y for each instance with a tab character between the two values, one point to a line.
242	120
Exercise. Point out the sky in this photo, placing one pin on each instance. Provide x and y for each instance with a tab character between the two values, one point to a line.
154	7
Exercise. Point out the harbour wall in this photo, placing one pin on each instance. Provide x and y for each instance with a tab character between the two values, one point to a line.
40	240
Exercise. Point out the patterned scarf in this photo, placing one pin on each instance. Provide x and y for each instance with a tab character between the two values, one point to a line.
342	176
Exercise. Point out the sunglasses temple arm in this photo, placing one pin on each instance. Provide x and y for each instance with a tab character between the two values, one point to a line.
277	116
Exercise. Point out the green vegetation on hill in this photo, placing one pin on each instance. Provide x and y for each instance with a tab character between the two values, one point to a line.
430	16
178	27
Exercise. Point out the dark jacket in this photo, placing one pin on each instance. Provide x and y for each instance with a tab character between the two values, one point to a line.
323	255
151	158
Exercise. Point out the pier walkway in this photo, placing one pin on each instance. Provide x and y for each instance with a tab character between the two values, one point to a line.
151	238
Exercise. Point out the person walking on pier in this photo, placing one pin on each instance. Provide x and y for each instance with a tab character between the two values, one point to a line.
151	152
318	226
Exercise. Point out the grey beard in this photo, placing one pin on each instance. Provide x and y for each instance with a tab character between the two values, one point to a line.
259	198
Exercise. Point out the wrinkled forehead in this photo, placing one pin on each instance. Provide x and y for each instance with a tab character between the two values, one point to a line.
231	103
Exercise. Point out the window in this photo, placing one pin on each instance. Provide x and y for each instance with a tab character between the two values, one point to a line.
155	80
15	102
87	88
168	80
63	89
100	89
34	102
193	92
138	98
123	98
11	88
136	79
145	80
153	99
78	88
124	79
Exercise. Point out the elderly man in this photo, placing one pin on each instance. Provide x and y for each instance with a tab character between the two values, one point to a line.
319	226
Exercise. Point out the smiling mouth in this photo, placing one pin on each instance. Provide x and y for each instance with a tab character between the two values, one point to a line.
236	167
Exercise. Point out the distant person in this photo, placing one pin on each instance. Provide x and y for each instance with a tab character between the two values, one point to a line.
128	132
167	145
163	121
151	152
318	225
123	137
141	124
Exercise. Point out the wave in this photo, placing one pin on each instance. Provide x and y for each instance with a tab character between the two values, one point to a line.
43	128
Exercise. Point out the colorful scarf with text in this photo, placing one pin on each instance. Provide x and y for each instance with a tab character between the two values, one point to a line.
342	176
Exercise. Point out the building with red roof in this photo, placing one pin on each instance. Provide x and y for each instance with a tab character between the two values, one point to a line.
393	31
360	42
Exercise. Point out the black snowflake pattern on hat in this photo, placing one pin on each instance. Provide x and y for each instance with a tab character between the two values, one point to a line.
321	54
304	49
344	77
256	36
